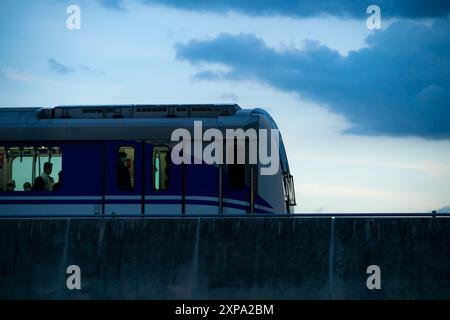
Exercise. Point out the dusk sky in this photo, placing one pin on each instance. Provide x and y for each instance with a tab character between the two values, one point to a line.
364	114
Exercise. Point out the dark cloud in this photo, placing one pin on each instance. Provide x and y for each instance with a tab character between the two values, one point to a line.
306	8
59	67
207	75
399	85
113	4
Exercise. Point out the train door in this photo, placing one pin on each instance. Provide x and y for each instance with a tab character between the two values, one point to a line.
202	183
123	178
163	181
239	183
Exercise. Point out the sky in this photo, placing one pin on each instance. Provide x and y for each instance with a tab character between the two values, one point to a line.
364	113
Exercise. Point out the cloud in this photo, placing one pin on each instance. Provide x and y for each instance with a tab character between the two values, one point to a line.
229	96
306	8
64	69
92	70
207	75
320	210
399	85
445	209
59	67
27	76
113	4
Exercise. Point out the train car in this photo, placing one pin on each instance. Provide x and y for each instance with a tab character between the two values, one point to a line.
116	160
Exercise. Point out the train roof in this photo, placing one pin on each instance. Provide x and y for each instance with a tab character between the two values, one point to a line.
99	122
142	111
105	122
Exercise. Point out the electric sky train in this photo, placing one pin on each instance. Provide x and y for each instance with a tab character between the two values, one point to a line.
89	147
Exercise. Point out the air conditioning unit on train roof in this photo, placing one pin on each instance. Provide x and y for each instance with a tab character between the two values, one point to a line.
92	112
143	111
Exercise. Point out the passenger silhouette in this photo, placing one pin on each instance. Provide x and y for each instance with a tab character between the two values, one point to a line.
11	185
39	184
27	186
48	167
58	184
123	174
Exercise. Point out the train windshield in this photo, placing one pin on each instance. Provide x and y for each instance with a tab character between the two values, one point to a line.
283	156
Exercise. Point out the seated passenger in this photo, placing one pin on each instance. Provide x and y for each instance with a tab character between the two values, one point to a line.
27	186
49	182
39	184
123	174
11	185
58	184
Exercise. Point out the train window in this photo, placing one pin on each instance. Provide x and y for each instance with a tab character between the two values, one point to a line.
125	168
30	168
160	167
236	171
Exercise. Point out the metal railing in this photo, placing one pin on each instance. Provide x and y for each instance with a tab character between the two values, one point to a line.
256	216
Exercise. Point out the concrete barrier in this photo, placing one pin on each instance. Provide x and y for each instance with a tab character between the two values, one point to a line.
225	258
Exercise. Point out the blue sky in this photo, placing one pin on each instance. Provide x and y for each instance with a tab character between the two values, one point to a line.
365	114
